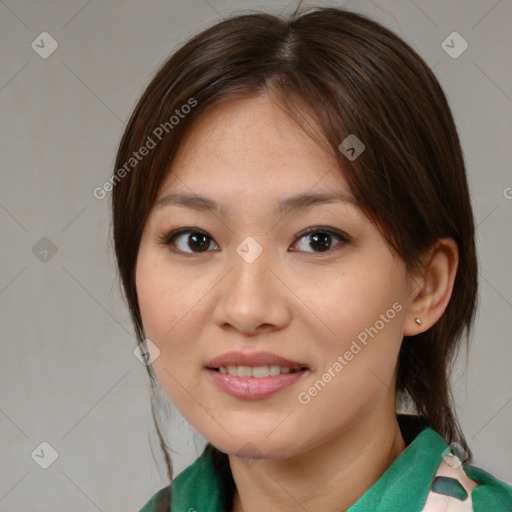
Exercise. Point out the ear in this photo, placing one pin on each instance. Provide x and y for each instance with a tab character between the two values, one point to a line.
431	289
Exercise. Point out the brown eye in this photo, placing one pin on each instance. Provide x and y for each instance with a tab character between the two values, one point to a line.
320	240
188	240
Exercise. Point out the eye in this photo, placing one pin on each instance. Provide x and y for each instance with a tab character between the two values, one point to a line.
196	240
321	239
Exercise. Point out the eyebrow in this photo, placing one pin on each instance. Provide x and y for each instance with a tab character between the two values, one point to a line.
297	202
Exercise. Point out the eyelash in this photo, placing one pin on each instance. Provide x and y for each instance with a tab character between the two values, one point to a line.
169	238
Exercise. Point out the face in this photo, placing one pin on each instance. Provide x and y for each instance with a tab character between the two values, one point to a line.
309	281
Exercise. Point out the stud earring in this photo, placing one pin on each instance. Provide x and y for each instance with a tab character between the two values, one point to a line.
418	321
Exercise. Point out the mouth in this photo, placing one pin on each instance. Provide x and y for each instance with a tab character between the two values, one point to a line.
254	376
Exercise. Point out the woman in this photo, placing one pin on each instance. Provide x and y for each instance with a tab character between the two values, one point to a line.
295	239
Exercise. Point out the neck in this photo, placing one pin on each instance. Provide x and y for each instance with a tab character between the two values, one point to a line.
330	477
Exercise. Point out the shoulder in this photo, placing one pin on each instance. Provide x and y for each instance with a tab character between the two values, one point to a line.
159	502
466	488
490	491
197	487
451	484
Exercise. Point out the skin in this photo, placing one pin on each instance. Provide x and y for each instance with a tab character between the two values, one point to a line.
295	300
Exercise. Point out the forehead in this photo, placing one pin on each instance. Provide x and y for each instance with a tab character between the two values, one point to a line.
251	144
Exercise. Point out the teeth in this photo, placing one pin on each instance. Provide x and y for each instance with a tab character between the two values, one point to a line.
254	371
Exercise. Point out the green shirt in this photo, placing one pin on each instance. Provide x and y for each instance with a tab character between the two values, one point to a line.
402	488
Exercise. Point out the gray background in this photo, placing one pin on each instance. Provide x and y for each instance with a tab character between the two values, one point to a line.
68	375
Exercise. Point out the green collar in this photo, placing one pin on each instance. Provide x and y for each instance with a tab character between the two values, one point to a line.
199	487
405	484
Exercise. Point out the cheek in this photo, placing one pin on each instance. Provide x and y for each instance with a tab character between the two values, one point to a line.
359	304
163	295
357	365
169	305
364	312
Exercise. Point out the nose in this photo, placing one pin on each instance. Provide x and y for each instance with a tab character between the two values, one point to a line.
252	299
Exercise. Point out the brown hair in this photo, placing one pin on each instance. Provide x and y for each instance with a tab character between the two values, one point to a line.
350	75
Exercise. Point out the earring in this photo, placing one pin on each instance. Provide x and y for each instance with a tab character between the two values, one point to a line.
418	321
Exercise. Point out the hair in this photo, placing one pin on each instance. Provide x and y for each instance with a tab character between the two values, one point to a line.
336	73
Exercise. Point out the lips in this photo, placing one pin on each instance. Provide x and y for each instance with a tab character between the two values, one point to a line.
254	388
256	359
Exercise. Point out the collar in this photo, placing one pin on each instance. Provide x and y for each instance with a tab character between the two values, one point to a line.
405	484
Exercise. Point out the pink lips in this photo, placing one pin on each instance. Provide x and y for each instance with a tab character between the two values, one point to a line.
254	388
